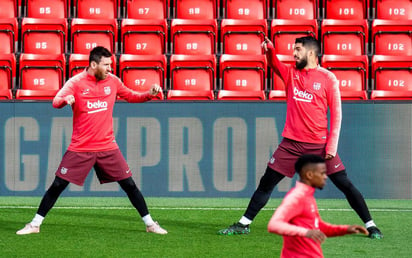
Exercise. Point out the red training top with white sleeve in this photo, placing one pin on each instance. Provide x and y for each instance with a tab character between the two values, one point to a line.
309	94
296	215
93	110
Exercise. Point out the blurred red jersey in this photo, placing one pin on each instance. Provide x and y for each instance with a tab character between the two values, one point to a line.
93	110
296	215
309	94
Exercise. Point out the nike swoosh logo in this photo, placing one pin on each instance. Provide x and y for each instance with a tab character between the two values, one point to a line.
336	166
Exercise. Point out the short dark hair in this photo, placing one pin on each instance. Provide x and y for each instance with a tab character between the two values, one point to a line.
309	42
97	53
307	159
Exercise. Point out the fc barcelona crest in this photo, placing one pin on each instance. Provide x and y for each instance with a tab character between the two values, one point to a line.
107	90
316	85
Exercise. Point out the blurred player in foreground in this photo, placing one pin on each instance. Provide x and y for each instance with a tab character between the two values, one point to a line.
311	90
92	95
297	218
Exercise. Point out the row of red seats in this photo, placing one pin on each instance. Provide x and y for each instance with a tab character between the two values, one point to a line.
203	77
207	9
141	37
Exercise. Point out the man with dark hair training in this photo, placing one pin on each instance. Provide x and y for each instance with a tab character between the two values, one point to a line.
92	95
310	91
297	218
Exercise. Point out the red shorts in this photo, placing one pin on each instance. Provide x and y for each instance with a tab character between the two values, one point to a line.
110	166
284	158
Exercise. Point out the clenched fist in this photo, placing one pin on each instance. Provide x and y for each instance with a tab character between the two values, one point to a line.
69	99
155	89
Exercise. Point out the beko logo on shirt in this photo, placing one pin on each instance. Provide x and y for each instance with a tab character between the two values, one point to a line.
97	105
301	95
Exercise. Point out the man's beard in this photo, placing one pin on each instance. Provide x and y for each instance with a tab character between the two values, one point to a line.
302	64
100	75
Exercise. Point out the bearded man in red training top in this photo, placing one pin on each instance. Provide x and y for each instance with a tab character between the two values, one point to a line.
92	95
311	90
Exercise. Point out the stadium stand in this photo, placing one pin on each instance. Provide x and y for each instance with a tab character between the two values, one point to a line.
41	76
144	37
362	30
392	37
344	37
9	9
243	37
352	74
392	77
245	9
346	9
92	9
284	32
44	36
89	33
140	72
148	9
7	75
8	35
295	9
243	77
56	9
393	9
193	37
199	9
192	77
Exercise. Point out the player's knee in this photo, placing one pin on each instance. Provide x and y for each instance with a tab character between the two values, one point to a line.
127	184
59	184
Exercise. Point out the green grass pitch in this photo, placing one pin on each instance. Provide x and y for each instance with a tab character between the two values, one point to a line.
110	227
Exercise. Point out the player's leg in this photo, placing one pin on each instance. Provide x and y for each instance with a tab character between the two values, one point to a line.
111	166
356	201
259	199
47	202
73	168
262	194
280	165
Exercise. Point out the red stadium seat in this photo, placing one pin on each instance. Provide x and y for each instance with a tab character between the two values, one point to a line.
9	9
148	9
352	74
41	76
144	37
295	9
79	62
44	36
89	33
344	37
346	9
8	35
392	76
140	72
192	77
199	9
243	37
193	37
392	37
284	33
92	9
47	9
243	77
7	75
245	9
278	91
393	9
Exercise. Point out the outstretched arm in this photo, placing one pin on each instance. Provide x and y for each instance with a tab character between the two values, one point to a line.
134	96
278	67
